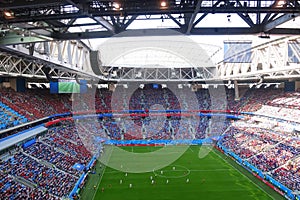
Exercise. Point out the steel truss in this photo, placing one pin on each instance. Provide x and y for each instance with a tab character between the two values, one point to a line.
14	66
45	19
134	74
36	36
65	58
279	59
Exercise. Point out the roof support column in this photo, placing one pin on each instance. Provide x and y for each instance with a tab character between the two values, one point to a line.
236	90
297	85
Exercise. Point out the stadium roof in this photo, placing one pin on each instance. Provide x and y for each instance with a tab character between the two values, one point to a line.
58	19
15	139
54	33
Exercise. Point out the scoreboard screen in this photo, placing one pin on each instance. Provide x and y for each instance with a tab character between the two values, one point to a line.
63	86
68	86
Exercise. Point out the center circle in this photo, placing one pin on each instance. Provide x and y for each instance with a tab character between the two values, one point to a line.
172	171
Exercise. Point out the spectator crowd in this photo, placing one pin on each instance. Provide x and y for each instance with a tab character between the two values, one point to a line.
47	165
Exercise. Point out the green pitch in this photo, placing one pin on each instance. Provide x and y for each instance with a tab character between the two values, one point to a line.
212	177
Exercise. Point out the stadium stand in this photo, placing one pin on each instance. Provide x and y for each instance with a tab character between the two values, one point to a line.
268	143
35	104
46	165
9	117
272	150
45	177
289	174
11	189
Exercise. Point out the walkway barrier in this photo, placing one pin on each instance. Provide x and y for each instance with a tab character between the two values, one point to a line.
75	189
157	142
283	188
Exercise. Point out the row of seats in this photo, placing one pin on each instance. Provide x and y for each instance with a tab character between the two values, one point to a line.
271	151
43	177
9	117
289	175
37	103
11	189
48	164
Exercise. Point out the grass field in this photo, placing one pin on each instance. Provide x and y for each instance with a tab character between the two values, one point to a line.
212	177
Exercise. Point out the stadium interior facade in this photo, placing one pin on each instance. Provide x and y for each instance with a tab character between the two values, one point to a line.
79	76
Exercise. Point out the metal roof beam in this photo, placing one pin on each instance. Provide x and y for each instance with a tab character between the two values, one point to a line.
17	4
266	18
280	20
79	6
193	17
247	19
206	13
103	22
68	25
245	16
130	21
12	38
175	20
59	12
194	31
